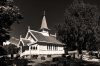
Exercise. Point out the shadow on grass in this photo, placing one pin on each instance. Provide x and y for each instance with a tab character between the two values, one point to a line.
21	62
61	61
12	62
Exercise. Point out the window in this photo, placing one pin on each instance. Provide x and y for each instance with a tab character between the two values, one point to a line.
33	48
42	58
35	56
47	47
55	47
36	48
52	47
48	56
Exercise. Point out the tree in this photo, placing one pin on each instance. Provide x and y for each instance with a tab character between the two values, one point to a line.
9	14
11	49
80	28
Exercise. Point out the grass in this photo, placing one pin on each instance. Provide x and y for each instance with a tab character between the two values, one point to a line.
68	62
10	62
58	61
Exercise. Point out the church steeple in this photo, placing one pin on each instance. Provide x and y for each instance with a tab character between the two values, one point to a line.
44	23
44	28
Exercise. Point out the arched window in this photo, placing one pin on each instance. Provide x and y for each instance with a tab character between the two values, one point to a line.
47	47
53	47
33	48
50	47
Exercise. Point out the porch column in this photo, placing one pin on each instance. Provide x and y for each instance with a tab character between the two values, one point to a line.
30	50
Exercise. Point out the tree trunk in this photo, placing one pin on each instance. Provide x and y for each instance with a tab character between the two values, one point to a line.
12	56
2	51
79	51
1	43
98	54
65	51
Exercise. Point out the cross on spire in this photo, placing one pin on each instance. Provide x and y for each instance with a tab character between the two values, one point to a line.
44	12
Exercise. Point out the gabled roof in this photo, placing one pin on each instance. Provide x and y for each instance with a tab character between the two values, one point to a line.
25	41
14	40
41	38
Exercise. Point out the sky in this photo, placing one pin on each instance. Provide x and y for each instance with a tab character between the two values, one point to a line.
32	11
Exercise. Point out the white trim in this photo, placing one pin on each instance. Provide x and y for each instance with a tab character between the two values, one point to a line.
22	40
33	36
40	41
22	43
27	34
31	44
18	43
29	31
51	42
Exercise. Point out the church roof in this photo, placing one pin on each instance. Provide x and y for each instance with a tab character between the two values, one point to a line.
41	38
26	41
14	40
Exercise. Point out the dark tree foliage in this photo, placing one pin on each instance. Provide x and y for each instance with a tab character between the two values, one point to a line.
11	49
81	28
9	14
2	51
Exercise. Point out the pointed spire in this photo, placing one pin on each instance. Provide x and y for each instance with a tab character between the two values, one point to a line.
44	12
44	23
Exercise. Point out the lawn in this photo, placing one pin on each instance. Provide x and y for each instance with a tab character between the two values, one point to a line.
10	62
68	62
58	61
